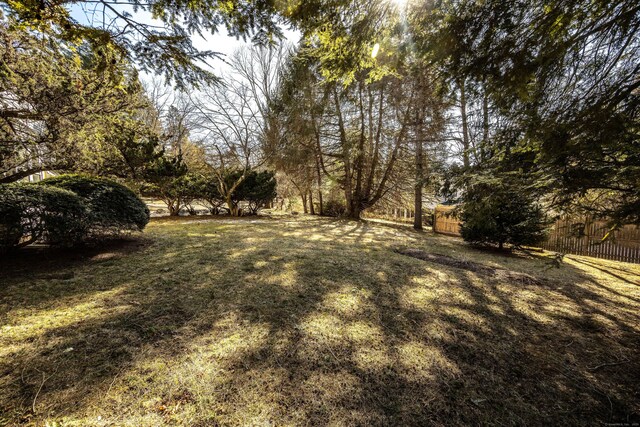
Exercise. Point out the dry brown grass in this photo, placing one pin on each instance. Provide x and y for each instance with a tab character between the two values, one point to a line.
303	321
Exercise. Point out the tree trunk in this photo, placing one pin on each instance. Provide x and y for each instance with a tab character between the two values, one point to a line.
319	177
354	210
311	208
465	125
233	208
174	207
417	218
485	125
358	163
303	196
354	214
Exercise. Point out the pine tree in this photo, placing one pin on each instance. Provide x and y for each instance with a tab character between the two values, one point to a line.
500	213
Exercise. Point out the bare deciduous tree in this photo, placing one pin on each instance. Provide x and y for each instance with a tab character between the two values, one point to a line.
231	118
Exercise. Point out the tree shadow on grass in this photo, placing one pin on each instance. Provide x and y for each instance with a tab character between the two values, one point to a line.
44	274
268	326
613	272
42	259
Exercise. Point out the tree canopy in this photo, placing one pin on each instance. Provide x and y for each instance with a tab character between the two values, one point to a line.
560	82
58	98
165	47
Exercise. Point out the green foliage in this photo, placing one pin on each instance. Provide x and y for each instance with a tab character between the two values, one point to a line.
256	188
67	210
163	179
210	193
334	208
561	77
190	187
62	102
111	207
164	49
501	214
171	181
31	212
123	147
341	34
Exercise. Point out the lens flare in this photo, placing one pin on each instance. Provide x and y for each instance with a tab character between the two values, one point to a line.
374	51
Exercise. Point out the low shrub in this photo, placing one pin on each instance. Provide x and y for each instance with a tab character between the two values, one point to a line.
66	210
257	189
30	213
334	208
112	207
211	196
165	180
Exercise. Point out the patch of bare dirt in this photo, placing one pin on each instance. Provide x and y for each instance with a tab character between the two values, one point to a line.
486	270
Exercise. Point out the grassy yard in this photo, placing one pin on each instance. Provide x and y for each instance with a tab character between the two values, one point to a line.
307	321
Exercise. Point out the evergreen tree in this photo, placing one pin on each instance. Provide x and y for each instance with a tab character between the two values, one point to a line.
499	212
61	105
561	80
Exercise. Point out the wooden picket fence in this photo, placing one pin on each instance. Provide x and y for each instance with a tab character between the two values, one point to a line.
568	235
584	237
445	222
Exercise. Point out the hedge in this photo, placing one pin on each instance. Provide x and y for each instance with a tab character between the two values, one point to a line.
30	213
112	207
67	210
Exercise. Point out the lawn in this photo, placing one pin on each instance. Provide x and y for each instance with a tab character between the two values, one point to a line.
308	321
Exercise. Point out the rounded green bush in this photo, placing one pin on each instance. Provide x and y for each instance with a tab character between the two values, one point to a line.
31	213
112	207
335	208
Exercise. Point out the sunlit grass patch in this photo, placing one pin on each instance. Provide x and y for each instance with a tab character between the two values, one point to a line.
308	321
348	301
419	362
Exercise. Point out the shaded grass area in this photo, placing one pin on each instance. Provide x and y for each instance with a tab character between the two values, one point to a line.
306	321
